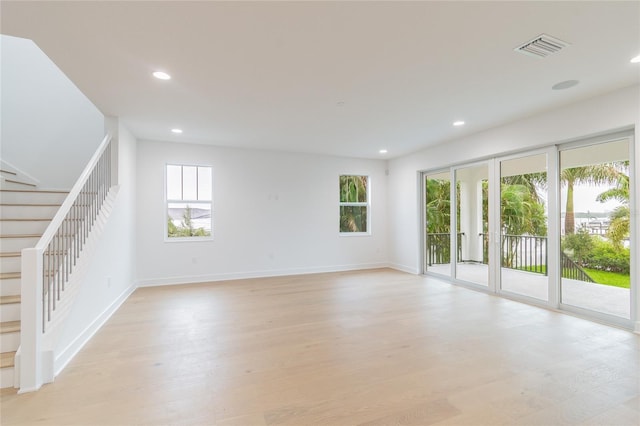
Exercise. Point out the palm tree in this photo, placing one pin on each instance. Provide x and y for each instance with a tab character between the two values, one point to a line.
353	189
599	174
438	206
521	213
619	228
438	210
531	181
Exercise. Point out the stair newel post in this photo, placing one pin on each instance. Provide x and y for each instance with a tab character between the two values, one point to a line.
31	320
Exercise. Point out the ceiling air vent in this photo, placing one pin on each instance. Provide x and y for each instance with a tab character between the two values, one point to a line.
542	46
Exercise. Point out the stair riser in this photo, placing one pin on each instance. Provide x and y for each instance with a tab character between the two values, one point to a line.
9	342
10	287
10	312
27	197
17	244
27	212
10	264
6	377
18	227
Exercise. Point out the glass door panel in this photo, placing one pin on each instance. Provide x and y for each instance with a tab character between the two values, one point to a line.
595	224
523	226
438	223
472	224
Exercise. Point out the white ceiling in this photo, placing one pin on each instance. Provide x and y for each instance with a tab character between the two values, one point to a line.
271	75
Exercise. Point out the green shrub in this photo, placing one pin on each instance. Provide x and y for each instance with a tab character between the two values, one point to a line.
605	256
578	246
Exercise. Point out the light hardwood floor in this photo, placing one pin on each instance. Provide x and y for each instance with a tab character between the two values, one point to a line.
359	348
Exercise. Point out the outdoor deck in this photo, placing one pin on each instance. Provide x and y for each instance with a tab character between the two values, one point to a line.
597	297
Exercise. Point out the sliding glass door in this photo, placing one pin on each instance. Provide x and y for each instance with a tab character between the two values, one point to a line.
524	226
552	226
472	224
595	228
437	236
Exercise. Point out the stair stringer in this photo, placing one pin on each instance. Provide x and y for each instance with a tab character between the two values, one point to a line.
11	177
72	287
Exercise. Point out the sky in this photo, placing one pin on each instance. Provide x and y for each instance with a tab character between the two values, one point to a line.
584	199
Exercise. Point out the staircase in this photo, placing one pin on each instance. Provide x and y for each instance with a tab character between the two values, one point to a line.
24	215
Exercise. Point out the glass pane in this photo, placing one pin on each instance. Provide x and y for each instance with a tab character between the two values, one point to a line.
523	226
353	219
189	183
595	222
189	220
438	232
353	189
472	258
174	182
204	183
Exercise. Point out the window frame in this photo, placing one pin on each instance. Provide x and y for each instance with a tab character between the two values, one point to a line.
366	204
168	201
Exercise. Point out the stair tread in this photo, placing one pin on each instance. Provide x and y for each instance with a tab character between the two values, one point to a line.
7	359
20	236
9	275
42	219
9	326
5	300
10	254
20	182
30	204
42	191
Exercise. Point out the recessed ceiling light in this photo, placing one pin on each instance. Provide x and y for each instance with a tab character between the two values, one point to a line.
636	60
178	131
383	151
458	123
160	75
565	84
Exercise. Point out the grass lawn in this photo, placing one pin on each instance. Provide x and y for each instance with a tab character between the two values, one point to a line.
609	278
601	277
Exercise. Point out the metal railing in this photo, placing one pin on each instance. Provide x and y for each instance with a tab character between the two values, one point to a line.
438	248
63	244
525	252
573	271
521	252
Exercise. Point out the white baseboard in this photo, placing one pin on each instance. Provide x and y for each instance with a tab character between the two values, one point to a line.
66	355
191	279
404	268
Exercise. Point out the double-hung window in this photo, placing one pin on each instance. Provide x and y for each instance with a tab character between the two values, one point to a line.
354	204
189	191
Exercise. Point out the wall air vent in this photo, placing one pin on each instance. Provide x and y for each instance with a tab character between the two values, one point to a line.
542	46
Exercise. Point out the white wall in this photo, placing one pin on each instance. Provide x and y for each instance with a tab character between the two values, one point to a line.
43	112
274	213
111	274
610	112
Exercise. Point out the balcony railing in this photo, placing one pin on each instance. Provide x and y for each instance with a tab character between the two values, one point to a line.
524	252
438	248
521	252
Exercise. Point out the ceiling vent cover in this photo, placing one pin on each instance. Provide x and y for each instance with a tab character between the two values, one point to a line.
542	46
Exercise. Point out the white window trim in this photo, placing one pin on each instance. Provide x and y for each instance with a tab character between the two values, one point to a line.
366	204
168	239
